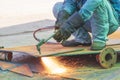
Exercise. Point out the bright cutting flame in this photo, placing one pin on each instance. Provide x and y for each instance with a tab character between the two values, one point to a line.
52	66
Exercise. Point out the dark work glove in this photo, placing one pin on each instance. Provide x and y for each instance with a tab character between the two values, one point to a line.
61	35
70	26
62	17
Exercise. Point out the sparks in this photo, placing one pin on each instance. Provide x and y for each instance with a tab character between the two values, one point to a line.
52	66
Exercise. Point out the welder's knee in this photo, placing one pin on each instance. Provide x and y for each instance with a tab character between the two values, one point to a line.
56	8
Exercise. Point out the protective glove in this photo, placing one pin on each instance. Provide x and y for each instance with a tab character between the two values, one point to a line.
62	34
62	17
70	26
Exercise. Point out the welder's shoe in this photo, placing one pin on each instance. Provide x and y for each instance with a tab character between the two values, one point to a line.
73	43
97	45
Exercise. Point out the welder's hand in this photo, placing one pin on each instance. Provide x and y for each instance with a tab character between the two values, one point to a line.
58	36
61	35
62	17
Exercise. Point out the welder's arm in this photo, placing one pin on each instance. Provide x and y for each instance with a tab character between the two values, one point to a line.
76	20
89	8
68	9
70	26
62	17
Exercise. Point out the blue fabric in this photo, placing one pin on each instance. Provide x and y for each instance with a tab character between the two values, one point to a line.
99	13
88	8
116	6
72	5
69	6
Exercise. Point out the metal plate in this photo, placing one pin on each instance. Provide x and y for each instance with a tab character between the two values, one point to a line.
23	70
6	65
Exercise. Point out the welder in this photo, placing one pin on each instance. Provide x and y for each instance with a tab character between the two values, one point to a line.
82	17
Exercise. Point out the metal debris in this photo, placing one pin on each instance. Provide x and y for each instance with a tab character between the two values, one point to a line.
6	55
6	65
23	69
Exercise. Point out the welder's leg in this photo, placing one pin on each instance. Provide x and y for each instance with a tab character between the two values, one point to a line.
103	22
82	35
113	19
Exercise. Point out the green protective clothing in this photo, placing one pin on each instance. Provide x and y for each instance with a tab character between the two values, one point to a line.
68	27
101	15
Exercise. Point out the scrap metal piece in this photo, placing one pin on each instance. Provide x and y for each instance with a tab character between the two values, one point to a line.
23	69
6	55
6	65
35	64
113	42
107	58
